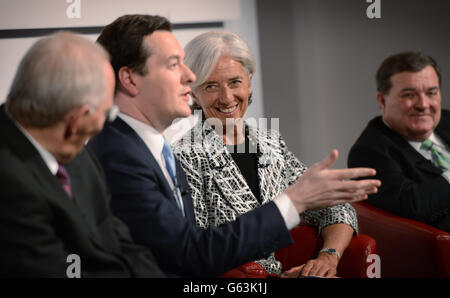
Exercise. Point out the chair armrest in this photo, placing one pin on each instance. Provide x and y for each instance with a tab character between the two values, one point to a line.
248	270
407	248
354	261
306	245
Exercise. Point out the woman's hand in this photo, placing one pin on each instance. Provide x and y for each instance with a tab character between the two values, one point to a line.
324	265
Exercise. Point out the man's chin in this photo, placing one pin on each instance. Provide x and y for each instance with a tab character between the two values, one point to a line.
186	112
421	134
181	115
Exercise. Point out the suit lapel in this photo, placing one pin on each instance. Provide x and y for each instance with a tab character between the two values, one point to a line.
409	152
271	183
49	186
82	197
443	132
144	151
185	193
443	128
147	155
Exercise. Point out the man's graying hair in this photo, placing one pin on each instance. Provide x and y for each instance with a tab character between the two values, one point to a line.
58	73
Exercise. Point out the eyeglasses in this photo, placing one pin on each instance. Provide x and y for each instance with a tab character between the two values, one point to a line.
112	113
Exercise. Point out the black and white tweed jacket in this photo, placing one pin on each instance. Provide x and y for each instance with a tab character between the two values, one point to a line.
220	192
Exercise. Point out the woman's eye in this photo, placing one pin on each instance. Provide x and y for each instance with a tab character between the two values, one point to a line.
210	87
236	82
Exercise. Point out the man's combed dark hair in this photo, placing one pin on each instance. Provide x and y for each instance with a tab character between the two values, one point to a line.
405	61
123	39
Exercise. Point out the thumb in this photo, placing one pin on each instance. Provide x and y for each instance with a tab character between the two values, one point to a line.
328	161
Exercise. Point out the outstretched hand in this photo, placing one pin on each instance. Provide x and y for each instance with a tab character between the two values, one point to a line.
321	187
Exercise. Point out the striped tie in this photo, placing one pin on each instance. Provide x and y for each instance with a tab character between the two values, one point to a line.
439	159
64	179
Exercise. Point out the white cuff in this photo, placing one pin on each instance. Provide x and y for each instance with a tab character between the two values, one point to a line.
287	210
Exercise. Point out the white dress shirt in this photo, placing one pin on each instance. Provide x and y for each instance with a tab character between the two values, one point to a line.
436	140
155	142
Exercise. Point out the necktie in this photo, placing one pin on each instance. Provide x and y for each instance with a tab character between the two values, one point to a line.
172	170
64	179
439	159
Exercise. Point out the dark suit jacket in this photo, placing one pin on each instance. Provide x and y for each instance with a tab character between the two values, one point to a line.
40	225
412	186
144	200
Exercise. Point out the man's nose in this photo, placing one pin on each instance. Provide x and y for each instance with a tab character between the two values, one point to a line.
188	76
422	101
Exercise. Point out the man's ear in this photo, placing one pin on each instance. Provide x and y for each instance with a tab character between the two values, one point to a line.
381	100
74	119
127	80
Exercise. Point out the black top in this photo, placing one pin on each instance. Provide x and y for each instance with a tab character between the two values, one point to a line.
246	158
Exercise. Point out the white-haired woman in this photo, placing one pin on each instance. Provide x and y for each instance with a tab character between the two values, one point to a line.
232	167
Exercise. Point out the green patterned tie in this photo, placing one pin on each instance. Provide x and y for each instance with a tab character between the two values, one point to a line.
439	159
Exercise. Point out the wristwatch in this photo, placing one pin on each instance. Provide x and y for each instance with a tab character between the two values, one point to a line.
331	251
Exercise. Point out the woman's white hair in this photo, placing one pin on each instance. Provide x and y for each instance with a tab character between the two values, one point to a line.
203	53
58	73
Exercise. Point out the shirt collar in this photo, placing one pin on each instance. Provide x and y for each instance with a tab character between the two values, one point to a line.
151	137
433	137
48	158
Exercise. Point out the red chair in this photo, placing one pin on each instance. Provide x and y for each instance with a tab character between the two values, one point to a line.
407	248
306	245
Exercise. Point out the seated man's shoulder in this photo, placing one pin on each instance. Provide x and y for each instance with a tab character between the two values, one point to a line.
375	131
445	117
112	140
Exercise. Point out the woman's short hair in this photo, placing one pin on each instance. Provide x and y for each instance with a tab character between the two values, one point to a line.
203	53
406	61
58	73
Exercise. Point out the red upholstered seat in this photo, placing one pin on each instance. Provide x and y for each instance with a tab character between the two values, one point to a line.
306	245
407	248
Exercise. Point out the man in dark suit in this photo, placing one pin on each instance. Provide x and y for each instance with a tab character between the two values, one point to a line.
55	218
152	90
415	178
